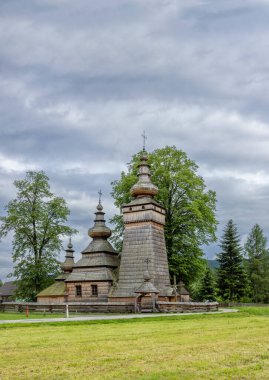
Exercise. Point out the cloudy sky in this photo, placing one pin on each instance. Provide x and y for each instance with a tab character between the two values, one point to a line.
80	81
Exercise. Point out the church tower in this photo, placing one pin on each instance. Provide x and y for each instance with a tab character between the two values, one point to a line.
144	243
92	276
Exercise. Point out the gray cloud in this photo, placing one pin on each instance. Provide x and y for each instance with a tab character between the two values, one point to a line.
80	81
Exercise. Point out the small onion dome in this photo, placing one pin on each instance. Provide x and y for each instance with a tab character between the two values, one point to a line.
99	230
144	186
147	286
67	265
147	276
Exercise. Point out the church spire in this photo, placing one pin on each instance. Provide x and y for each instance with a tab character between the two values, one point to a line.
67	265
99	230
144	186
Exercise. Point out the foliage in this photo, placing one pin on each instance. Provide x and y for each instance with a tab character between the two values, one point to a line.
37	219
1	282
257	264
207	287
190	208
232	280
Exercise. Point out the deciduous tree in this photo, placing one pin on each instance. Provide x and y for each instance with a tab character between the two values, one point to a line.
190	208
37	218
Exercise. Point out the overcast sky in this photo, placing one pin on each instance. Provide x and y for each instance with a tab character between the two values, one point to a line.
80	81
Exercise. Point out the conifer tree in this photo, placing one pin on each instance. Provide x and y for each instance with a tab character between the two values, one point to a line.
232	280
257	264
207	287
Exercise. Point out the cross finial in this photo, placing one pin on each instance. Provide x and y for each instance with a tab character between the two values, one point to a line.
147	261
144	140
100	195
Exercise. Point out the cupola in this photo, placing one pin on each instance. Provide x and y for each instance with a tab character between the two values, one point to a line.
144	186
68	264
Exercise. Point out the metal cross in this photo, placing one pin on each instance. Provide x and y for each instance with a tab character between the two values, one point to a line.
147	261
144	140
100	195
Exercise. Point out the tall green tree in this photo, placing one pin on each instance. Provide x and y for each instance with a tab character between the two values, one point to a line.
257	264
37	218
190	208
207	286
1	282
232	280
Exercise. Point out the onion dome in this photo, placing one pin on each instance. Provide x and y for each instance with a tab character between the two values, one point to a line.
144	186
68	264
99	234
99	230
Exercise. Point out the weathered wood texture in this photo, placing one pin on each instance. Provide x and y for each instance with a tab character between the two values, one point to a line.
107	307
186	307
103	290
143	239
74	307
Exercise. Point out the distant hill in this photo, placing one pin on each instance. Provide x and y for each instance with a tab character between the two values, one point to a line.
213	264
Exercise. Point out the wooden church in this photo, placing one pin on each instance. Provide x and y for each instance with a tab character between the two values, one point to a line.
141	270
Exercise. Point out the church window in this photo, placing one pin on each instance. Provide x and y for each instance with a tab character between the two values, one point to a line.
78	290
94	290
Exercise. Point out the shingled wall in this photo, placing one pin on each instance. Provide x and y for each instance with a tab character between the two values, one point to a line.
142	241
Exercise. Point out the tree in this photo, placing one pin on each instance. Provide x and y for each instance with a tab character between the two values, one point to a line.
232	281
257	264
190	208
37	219
1	282
207	286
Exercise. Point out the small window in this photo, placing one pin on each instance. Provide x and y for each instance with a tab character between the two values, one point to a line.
78	290
130	208
143	207
94	290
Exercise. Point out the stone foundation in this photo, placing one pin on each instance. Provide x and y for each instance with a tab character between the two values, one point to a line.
187	307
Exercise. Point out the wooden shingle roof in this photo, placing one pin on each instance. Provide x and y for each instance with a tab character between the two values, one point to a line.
56	289
8	289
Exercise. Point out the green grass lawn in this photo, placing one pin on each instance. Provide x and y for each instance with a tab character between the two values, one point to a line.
230	346
6	316
35	315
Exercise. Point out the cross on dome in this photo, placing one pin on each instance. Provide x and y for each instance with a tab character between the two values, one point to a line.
100	195
144	140
147	261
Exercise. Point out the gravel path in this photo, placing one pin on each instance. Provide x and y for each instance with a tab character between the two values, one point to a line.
110	317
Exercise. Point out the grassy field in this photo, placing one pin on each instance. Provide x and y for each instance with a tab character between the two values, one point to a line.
32	315
231	346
